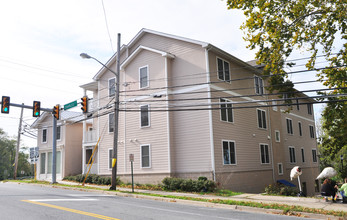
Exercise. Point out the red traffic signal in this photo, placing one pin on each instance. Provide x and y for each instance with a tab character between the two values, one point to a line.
56	112
36	108
5	104
84	104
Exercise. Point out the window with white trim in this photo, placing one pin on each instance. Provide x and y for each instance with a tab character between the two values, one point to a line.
311	131
264	153
289	126
110	122
42	163
144	79
226	111
292	155
58	133
44	135
145	156
111	87
300	128
258	85
274	105
314	155
277	136
223	68
229	152
144	116
303	155
261	118
280	168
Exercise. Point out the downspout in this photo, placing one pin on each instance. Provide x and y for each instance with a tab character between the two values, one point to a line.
272	153
210	114
168	115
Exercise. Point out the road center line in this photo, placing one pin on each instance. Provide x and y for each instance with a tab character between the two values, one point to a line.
71	210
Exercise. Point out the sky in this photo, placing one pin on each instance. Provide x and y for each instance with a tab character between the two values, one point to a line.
41	40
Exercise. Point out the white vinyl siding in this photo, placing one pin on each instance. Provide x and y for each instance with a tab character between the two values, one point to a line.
264	153
289	123
226	111
229	152
111	87
145	156
144	116
223	68
258	85
292	158
261	114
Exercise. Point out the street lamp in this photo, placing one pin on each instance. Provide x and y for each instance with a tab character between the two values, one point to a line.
116	113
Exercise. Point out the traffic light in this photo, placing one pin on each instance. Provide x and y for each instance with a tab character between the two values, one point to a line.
36	108
56	111
5	104
84	104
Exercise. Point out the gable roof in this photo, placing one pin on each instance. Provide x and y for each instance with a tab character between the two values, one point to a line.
67	116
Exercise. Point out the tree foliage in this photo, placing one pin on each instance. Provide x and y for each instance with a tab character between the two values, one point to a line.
7	158
278	27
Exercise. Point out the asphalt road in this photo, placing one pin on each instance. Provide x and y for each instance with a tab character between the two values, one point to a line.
23	201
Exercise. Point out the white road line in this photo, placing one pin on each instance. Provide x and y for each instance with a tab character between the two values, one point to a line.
86	195
60	200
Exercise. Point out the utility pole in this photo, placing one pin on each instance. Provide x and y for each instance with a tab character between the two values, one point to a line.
18	143
116	117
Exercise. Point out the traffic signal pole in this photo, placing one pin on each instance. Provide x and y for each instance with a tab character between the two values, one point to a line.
54	151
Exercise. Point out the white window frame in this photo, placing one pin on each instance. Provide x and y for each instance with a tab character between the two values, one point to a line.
262	125
258	85
44	130
274	105
110	122
140	86
289	126
277	137
300	128
43	169
149	156
110	89
311	129
60	129
302	150
148	116
314	155
290	155
266	153
234	145
110	158
224	78
227	109
280	169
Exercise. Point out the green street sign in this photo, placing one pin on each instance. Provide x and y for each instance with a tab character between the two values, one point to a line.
70	105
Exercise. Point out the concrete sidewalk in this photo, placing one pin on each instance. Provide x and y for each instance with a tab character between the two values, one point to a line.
317	203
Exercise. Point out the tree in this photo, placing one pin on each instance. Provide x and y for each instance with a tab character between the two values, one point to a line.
7	157
278	27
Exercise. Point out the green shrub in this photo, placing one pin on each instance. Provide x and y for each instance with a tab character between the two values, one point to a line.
189	185
277	189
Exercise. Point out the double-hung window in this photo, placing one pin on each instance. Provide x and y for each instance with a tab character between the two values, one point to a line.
44	135
144	116
226	111
292	155
111	87
261	118
264	153
145	156
311	131
110	122
58	132
229	152
110	157
258	85
289	126
309	109
300	128
303	155
223	68
314	155
143	72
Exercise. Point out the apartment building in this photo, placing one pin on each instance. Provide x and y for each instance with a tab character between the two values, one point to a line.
190	109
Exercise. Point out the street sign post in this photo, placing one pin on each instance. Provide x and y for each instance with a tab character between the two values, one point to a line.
70	105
